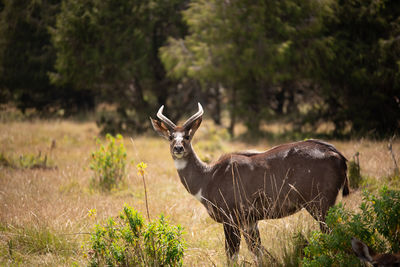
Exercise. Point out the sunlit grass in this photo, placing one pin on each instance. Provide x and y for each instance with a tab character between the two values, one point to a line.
52	205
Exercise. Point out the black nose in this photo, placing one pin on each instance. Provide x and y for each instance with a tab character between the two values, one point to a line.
178	149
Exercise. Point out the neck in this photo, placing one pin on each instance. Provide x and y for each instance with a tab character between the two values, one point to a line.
193	172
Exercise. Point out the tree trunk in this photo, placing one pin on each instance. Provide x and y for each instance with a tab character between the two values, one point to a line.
232	113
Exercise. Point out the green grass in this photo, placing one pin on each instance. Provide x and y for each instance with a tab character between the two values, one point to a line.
27	161
21	244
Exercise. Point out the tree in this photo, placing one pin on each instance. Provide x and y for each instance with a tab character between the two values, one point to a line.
26	57
111	47
359	74
248	47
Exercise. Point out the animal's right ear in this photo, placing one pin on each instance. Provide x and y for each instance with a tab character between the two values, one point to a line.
194	126
160	128
362	250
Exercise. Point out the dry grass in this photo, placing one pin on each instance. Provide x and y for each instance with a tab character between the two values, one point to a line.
53	205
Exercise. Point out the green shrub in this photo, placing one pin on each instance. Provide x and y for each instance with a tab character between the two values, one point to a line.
5	161
387	221
293	252
108	163
392	180
27	161
378	225
31	161
129	241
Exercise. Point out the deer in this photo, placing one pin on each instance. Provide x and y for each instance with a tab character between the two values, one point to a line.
241	188
366	254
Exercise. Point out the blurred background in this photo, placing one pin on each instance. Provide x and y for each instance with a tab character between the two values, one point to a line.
306	63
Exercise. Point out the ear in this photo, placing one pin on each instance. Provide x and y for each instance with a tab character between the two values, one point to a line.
192	128
362	250
160	128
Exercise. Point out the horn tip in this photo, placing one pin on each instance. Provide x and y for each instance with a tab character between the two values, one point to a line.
161	109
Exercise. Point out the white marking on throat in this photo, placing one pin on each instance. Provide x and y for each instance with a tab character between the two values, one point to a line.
180	164
198	195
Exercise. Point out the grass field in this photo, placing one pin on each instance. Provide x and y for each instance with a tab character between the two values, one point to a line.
44	213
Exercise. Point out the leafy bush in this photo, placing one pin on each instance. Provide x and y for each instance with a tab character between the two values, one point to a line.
293	252
109	163
26	161
387	222
129	241
378	225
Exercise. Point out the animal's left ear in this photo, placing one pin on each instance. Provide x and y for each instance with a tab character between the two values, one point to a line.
192	128
362	250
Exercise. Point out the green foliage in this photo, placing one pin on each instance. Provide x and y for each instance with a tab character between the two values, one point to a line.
387	210
312	61
293	254
252	48
26	161
392	181
5	161
378	225
339	56
24	62
129	241
34	240
27	56
111	48
31	161
359	69
109	163
162	241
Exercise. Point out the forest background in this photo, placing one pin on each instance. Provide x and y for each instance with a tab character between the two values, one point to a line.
307	63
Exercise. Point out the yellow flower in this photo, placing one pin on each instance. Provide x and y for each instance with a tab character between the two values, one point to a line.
92	213
141	168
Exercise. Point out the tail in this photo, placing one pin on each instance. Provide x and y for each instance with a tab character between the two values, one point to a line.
346	189
343	166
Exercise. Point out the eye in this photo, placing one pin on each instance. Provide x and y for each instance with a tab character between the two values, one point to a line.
187	137
170	138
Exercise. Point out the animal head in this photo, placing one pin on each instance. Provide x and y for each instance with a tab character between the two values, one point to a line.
179	137
379	260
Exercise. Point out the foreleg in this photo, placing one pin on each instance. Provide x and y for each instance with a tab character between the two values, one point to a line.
232	241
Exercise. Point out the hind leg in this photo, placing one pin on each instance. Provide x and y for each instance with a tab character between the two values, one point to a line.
253	240
252	237
318	210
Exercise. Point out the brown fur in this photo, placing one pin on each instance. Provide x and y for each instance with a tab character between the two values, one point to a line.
365	253
243	187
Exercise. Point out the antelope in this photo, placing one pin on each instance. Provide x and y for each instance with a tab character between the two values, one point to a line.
379	260
241	188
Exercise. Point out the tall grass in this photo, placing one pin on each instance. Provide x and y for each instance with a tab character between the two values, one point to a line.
52	205
21	244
